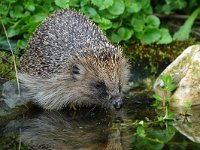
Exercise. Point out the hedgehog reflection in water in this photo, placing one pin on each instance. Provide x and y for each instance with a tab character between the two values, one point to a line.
57	131
69	60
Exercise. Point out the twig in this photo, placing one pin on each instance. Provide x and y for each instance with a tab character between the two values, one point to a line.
20	139
15	66
174	16
164	96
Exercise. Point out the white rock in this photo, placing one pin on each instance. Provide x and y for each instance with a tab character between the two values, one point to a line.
185	71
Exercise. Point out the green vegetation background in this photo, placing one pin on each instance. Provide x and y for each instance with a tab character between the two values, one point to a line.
133	22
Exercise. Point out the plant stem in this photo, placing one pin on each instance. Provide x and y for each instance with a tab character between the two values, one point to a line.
164	98
14	62
174	16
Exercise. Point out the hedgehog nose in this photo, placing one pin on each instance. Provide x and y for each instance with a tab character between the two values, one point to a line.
117	103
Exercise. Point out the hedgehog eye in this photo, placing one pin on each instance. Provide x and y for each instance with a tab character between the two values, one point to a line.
120	88
99	85
78	71
75	69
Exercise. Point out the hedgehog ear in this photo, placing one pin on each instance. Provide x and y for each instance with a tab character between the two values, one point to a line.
78	71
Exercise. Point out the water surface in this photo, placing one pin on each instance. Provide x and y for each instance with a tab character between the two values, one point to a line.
94	128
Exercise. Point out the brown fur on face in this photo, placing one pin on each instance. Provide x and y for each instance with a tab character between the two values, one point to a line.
101	78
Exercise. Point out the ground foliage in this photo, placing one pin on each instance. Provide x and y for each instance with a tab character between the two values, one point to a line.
121	20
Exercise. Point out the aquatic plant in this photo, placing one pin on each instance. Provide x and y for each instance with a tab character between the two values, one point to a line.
163	100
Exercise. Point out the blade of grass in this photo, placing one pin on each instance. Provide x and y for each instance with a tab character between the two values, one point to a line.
13	56
184	31
20	139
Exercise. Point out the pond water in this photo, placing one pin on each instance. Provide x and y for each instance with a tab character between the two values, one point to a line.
97	129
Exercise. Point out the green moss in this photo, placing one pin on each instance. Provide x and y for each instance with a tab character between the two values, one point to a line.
6	66
155	56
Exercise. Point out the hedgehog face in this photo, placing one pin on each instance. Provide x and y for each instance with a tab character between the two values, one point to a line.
101	82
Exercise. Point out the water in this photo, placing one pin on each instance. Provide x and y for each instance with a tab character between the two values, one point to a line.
97	129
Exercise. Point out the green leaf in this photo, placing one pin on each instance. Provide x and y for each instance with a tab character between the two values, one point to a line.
125	33
179	4
89	11
184	31
140	131
37	18
5	20
167	79
160	118
168	115
143	143
152	21
148	10
62	3
74	3
3	9
30	6
102	4
115	38
165	37
134	7
30	28
116	25
105	13
105	24
96	18
12	31
171	87
21	44
138	22
117	8
157	97
4	43
167	9
17	12
12	1
150	36
145	4
173	5
162	135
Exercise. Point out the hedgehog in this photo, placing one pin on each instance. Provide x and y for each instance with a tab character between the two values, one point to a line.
69	60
